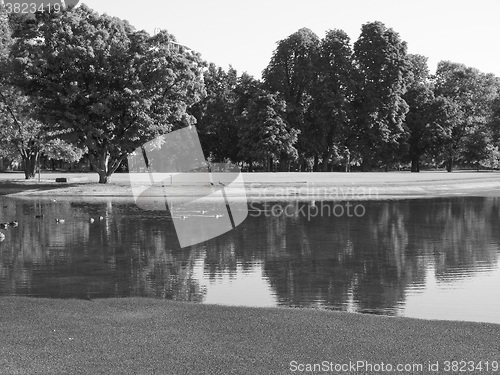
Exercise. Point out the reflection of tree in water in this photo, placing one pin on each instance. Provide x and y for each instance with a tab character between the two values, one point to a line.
468	236
330	260
127	253
366	262
370	260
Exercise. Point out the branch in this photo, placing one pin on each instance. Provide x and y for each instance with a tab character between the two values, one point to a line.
9	109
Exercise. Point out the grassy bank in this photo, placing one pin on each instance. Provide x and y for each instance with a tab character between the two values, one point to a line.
270	186
147	336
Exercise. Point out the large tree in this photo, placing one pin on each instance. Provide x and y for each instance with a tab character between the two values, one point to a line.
332	95
111	87
20	133
421	118
216	114
292	72
264	134
473	94
381	75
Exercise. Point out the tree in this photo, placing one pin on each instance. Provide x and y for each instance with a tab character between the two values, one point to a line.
216	114
381	78
20	133
113	88
332	95
447	114
473	93
264	134
495	117
57	149
420	119
477	146
247	87
292	73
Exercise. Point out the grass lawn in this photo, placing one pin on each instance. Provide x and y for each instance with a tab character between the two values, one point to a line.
268	186
148	336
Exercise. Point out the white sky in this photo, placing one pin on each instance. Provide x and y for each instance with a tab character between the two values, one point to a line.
244	34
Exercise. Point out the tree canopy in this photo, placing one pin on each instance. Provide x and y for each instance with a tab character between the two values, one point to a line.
473	95
381	79
77	81
110	87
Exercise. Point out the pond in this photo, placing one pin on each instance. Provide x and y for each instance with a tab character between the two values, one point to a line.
433	258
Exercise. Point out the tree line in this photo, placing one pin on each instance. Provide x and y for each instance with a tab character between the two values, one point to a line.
76	83
326	104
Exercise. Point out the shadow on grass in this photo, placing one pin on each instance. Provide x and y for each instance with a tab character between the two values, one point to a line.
21	186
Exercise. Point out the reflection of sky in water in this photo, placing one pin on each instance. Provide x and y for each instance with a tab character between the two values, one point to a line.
434	258
434	299
244	287
447	297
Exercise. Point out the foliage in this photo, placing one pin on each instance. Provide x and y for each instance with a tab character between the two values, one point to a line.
264	134
292	73
58	149
332	94
381	75
112	87
473	94
21	135
420	121
76	81
216	116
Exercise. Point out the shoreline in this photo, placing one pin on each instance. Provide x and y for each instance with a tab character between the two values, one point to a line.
334	186
144	335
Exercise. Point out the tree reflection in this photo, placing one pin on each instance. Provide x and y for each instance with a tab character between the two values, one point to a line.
364	263
368	261
126	253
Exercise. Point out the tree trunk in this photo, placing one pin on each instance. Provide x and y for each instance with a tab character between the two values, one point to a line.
303	166
267	164
348	162
284	164
415	163
30	159
103	177
104	165
449	164
326	158
316	163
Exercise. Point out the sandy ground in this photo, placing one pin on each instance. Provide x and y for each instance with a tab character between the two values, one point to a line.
260	186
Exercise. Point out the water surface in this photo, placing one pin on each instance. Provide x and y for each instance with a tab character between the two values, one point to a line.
427	258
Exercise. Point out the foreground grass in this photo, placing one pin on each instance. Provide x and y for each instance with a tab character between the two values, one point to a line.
147	336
